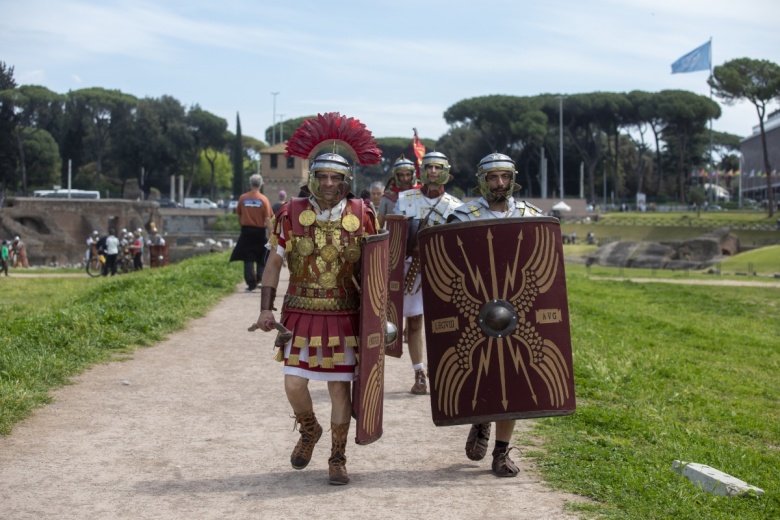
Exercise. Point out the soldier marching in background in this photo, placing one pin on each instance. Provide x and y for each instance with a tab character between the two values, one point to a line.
495	183
403	179
428	206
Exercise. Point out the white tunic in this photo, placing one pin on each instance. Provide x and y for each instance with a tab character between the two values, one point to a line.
413	204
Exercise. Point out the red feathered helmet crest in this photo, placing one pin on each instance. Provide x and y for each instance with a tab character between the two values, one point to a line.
333	131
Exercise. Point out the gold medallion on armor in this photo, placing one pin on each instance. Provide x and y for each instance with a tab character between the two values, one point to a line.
352	253
304	246
328	280
350	223
329	253
307	217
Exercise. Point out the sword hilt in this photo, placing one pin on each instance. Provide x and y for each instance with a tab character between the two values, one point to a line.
282	338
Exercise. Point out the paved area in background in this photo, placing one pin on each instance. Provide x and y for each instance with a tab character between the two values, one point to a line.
198	427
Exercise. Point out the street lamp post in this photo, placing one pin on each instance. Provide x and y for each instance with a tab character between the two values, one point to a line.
560	141
273	121
281	128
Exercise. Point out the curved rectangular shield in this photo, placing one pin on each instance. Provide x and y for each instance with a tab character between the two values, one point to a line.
496	320
369	389
397	225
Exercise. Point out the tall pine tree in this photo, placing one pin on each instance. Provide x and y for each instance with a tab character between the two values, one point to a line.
238	162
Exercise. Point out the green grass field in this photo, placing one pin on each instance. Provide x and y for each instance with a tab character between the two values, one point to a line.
55	328
753	228
759	264
663	373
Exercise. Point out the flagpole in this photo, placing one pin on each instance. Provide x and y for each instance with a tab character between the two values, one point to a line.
741	173
711	165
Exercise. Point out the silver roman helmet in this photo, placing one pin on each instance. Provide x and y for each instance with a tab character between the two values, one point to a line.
435	158
329	162
402	164
492	163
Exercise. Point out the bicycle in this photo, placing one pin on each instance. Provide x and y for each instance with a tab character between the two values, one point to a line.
124	261
95	265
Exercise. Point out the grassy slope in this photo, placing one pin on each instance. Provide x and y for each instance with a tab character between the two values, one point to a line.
59	327
753	228
663	373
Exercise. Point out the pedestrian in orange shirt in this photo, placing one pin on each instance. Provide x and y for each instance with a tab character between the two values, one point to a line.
254	216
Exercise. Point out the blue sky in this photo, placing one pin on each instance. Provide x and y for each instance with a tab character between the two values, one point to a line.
392	64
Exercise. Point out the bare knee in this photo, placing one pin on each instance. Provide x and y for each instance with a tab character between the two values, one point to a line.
414	323
297	390
339	391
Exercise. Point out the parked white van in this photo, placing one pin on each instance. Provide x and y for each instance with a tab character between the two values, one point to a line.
199	204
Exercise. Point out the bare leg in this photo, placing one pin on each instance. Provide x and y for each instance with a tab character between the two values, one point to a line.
340	416
297	390
504	430
341	402
414	328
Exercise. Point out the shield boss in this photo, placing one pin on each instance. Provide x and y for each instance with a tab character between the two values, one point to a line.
497	318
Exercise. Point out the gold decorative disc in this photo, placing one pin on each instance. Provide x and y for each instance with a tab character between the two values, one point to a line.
350	223
304	246
328	280
352	253
329	253
307	217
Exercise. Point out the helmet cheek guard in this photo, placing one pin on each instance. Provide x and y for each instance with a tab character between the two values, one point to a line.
435	158
329	162
495	162
403	165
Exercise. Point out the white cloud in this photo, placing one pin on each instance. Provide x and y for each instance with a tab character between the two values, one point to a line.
395	64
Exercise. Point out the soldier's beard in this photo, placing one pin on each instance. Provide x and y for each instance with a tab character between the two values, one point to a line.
496	197
432	191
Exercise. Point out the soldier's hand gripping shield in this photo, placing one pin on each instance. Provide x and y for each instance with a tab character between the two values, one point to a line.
496	320
397	225
369	388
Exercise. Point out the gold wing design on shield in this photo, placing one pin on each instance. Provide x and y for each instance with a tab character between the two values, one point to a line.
377	290
520	288
377	295
537	277
396	250
448	282
373	396
395	257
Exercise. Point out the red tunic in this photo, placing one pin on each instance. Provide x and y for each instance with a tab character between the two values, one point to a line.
323	316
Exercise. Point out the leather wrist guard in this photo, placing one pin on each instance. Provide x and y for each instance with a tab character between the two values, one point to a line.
267	297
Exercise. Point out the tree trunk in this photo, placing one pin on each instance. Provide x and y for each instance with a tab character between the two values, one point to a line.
681	171
20	144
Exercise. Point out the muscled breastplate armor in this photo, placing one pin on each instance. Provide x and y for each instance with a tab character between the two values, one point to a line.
324	257
478	210
414	204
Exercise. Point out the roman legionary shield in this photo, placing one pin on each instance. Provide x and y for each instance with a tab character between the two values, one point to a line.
397	225
369	388
496	320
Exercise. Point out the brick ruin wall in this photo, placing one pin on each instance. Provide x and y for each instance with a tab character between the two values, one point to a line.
55	230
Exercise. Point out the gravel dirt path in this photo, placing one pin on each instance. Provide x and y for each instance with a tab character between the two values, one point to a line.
198	427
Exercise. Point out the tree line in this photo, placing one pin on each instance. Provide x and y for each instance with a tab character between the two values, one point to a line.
624	143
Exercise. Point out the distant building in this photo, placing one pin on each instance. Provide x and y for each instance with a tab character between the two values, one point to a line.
721	194
753	177
282	173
